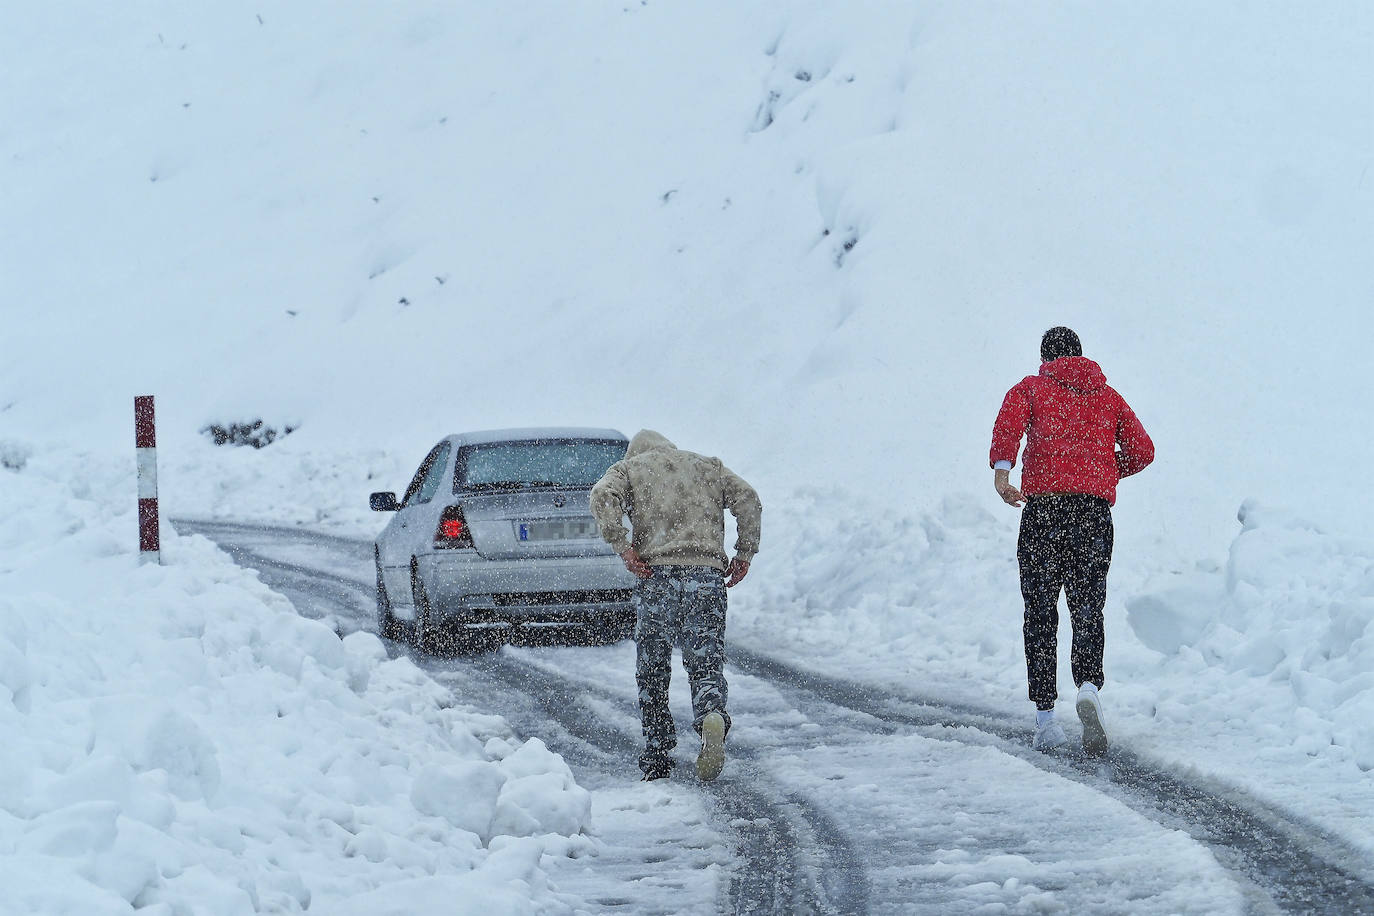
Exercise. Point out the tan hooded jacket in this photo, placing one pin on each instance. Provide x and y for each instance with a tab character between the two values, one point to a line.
676	502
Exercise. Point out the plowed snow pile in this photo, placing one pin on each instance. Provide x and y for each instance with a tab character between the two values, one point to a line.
178	739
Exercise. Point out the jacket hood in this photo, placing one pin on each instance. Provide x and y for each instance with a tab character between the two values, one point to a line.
646	440
1077	373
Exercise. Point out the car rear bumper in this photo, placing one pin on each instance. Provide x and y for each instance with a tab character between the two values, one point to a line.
464	588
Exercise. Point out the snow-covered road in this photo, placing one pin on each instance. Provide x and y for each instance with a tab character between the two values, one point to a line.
847	798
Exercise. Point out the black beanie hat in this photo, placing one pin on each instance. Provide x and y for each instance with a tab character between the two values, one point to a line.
1059	342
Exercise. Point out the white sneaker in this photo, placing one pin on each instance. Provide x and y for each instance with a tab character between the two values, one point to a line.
1049	735
1090	712
711	760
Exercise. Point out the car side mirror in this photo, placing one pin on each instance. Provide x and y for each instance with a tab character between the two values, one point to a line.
383	502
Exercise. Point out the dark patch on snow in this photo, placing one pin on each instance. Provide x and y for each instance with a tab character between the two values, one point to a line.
14	455
254	433
851	239
763	118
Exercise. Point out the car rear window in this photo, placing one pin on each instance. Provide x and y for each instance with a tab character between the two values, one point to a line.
535	464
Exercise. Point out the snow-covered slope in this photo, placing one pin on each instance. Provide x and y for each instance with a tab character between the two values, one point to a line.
389	222
818	239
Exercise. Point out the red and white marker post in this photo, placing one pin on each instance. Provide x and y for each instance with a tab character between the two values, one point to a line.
145	448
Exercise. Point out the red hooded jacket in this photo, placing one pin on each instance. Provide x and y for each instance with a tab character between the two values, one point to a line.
1073	421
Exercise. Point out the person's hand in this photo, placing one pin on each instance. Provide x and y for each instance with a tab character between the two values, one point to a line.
736	571
1010	495
635	563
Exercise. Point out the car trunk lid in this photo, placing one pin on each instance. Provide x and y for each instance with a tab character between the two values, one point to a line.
533	523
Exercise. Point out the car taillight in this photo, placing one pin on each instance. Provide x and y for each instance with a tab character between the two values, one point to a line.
453	529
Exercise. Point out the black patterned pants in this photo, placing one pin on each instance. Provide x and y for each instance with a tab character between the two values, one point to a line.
681	607
1065	545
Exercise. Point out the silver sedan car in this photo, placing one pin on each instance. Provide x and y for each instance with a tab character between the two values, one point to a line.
495	534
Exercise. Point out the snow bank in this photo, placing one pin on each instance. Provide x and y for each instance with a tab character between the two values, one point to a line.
929	599
294	484
178	738
1287	626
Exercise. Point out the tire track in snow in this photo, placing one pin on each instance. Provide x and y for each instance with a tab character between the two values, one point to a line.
796	859
793	859
1286	865
1294	867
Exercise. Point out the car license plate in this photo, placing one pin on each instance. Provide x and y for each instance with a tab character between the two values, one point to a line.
558	529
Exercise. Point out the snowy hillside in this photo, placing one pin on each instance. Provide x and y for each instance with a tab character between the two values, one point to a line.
387	223
817	239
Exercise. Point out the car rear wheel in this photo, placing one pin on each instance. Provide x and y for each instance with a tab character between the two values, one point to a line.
389	626
427	634
423	635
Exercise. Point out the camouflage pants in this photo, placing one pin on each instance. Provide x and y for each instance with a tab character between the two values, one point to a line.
680	607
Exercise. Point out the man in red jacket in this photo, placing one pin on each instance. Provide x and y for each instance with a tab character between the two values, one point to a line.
1073	422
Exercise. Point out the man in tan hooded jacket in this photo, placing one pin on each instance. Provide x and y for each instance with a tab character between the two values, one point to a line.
676	502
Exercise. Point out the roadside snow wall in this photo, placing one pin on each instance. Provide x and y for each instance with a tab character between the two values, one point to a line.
1286	625
178	739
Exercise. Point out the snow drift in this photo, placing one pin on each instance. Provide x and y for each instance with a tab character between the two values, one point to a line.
178	738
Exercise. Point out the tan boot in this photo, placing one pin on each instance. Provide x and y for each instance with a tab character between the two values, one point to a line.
711	760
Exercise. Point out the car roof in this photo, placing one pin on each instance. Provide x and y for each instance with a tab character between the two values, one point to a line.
525	434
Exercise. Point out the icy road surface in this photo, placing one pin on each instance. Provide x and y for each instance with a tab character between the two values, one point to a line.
844	798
